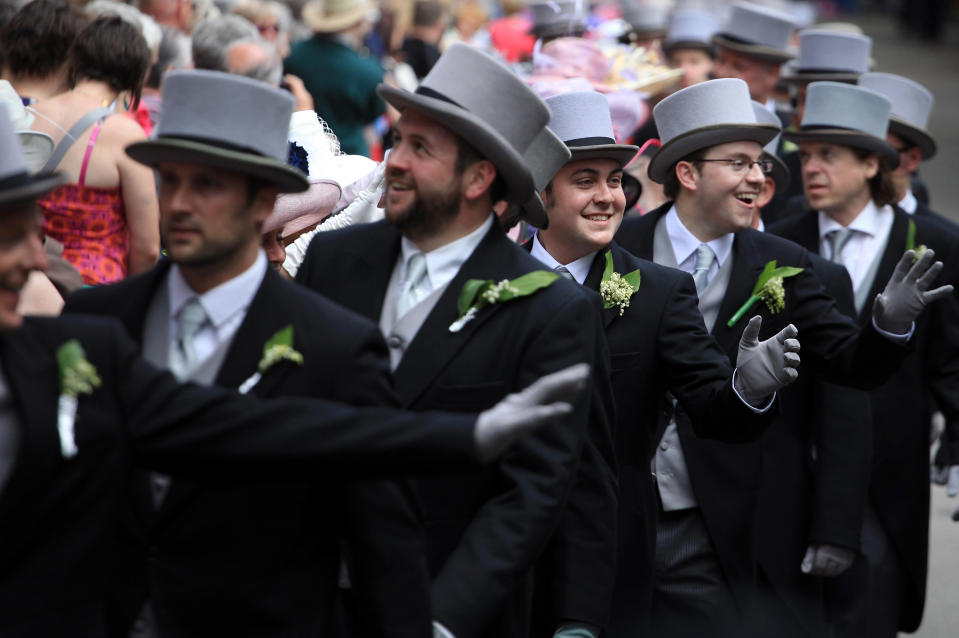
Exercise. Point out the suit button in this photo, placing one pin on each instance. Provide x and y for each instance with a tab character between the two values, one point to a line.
394	342
664	446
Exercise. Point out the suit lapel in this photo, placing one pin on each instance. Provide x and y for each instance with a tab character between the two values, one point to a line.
434	344
807	232
747	266
30	370
595	277
372	264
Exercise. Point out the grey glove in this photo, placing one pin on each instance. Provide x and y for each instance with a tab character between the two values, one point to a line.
827	560
518	413
952	481
763	367
907	292
576	630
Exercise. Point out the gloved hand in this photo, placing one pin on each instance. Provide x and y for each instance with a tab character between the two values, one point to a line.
518	413
576	630
952	481
764	367
827	560
439	631
907	292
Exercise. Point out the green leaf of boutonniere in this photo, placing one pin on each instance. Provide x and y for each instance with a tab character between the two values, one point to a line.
77	376
911	240
616	289
479	293
769	289
277	348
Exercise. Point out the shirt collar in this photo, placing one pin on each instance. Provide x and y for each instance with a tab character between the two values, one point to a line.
579	269
685	243
909	203
444	262
223	301
865	222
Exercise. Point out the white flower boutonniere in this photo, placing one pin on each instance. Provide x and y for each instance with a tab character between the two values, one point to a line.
769	288
478	293
278	348
77	376
617	289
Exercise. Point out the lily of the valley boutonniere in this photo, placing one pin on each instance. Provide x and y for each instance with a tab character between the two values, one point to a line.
616	289
77	376
911	241
479	293
278	348
769	288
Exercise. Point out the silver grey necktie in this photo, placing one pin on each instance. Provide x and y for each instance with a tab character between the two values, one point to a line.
563	271
412	293
182	355
837	241
704	260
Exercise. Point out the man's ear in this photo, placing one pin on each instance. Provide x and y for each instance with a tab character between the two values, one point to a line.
477	179
263	203
687	175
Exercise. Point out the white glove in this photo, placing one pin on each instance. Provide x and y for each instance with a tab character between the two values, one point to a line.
952	481
518	413
827	560
907	292
439	631
362	210
764	367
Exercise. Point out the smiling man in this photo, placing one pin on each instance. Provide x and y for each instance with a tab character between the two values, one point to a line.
711	164
658	343
459	149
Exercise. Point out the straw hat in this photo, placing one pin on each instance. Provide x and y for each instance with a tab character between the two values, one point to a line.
330	16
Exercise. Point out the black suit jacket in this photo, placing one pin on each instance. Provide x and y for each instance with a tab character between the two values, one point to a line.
726	479
264	560
59	516
899	487
484	529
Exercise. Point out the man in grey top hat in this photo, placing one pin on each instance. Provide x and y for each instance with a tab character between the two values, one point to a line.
847	163
712	165
657	342
434	275
78	407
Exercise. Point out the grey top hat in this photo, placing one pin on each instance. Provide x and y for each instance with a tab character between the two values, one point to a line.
757	31
227	121
556	18
494	111
582	120
545	156
848	115
645	17
17	184
829	55
911	107
703	115
691	29
781	175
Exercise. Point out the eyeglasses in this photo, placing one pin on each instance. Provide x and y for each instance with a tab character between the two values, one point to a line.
741	166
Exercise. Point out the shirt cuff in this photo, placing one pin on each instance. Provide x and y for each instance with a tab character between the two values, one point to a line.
439	631
757	409
900	339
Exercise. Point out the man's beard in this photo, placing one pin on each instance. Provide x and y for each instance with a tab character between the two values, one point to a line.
429	215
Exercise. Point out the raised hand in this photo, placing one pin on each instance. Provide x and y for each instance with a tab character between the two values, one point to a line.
907	292
827	560
763	367
544	400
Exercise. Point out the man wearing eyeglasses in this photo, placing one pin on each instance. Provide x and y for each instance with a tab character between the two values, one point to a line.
711	164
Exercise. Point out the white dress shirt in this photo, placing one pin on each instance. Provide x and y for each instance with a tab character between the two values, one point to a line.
444	262
909	203
579	269
685	245
225	305
871	228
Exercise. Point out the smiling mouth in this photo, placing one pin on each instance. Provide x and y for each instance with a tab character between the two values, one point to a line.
747	198
598	217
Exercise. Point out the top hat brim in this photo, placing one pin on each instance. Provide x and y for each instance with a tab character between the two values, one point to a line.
846	137
622	153
509	162
28	187
312	16
914	134
535	208
173	149
781	175
674	45
704	137
557	29
755	50
797	76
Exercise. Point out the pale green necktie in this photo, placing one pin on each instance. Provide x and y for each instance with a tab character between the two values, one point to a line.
412	292
182	355
837	240
704	260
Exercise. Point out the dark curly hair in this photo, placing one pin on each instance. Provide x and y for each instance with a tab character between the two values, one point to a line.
37	39
111	50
